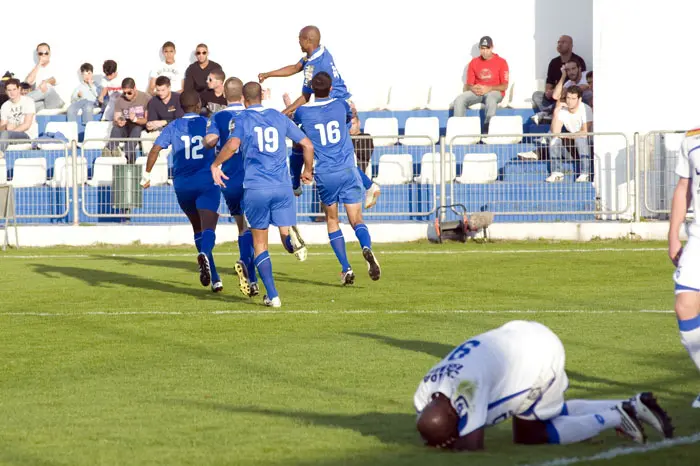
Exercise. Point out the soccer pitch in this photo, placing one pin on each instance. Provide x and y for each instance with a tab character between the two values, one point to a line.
116	355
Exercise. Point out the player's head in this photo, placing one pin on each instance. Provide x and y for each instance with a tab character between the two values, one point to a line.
190	101
438	421
321	85
252	93
309	39
233	90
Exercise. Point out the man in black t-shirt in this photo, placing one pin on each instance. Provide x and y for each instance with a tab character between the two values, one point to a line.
213	99
197	73
163	108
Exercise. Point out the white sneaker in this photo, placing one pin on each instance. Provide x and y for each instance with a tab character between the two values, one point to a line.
274	302
299	191
217	287
371	195
532	155
372	264
298	244
347	278
583	178
649	412
555	177
696	403
629	423
243	280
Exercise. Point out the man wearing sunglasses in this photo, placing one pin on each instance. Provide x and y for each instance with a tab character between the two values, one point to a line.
213	99
198	72
130	119
43	78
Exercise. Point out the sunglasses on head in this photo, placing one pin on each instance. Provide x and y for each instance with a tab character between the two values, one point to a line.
42	53
200	53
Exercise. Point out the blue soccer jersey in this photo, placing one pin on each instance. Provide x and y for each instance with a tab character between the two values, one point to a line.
262	132
325	123
222	124
322	60
186	136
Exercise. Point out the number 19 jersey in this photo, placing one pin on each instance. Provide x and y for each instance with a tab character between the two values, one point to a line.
186	136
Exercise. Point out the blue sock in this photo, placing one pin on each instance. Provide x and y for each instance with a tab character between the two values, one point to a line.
208	242
288	244
264	265
198	241
689	325
338	245
362	234
245	247
296	163
366	182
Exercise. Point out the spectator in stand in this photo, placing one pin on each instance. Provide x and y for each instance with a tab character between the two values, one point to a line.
16	116
213	99
111	89
544	101
487	81
162	109
198	72
84	97
574	77
168	68
25	88
589	80
130	119
575	118
43	78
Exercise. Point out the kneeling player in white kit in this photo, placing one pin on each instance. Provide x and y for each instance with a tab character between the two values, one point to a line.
687	260
517	370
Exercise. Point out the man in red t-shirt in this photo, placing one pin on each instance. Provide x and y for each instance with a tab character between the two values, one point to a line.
487	81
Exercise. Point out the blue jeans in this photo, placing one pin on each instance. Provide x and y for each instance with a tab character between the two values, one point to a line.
83	104
556	150
5	135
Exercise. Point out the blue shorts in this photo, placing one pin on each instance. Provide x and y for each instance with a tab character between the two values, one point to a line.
273	206
197	193
343	187
233	195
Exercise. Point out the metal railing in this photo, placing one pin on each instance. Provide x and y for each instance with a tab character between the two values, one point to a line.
658	155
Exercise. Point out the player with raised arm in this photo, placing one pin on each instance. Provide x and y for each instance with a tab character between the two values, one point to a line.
325	123
267	189
687	260
316	60
197	195
517	370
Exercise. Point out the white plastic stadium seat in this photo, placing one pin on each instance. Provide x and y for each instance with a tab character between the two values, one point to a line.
375	97
442	95
512	125
382	127
479	168
431	161
395	169
408	96
29	172
68	128
421	126
159	173
63	172
457	126
102	170
95	133
3	171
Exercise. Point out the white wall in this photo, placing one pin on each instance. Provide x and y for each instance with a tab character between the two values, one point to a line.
373	42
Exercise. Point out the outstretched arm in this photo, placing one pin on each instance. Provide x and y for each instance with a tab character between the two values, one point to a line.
296	104
282	72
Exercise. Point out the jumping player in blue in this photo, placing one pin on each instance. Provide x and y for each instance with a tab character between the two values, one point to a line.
317	59
220	127
197	195
325	123
268	198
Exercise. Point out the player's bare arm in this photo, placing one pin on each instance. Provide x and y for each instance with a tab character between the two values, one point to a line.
304	98
210	140
152	157
283	72
226	153
682	196
307	146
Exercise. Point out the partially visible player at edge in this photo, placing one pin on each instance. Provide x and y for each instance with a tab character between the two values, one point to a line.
197	195
317	59
220	127
268	196
687	260
325	122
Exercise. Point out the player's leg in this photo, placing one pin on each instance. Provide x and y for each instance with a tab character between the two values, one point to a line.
296	164
258	211
207	205
350	195
188	204
244	266
337	241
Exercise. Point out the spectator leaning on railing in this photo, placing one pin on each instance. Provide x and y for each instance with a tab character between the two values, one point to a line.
16	116
43	78
163	108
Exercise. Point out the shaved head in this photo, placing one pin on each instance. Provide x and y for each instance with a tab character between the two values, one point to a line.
311	33
233	90
252	93
438	421
190	101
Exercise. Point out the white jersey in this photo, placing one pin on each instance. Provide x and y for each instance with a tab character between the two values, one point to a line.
688	166
514	370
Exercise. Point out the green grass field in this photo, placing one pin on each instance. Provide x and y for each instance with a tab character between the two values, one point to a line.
117	356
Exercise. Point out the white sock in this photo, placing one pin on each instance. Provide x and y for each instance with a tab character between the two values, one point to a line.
573	429
581	407
691	341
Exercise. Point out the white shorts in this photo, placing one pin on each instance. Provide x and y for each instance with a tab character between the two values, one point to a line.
687	274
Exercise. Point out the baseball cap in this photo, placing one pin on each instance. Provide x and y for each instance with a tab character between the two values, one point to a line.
486	41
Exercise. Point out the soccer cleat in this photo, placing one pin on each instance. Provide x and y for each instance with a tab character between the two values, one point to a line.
696	403
372	264
298	244
216	287
274	302
243	281
254	290
347	277
630	425
298	191
204	269
649	412
371	195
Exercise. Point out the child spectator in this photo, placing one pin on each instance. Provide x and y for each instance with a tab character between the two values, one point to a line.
84	97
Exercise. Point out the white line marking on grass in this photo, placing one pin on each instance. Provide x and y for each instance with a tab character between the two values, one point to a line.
623	451
244	312
397	252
